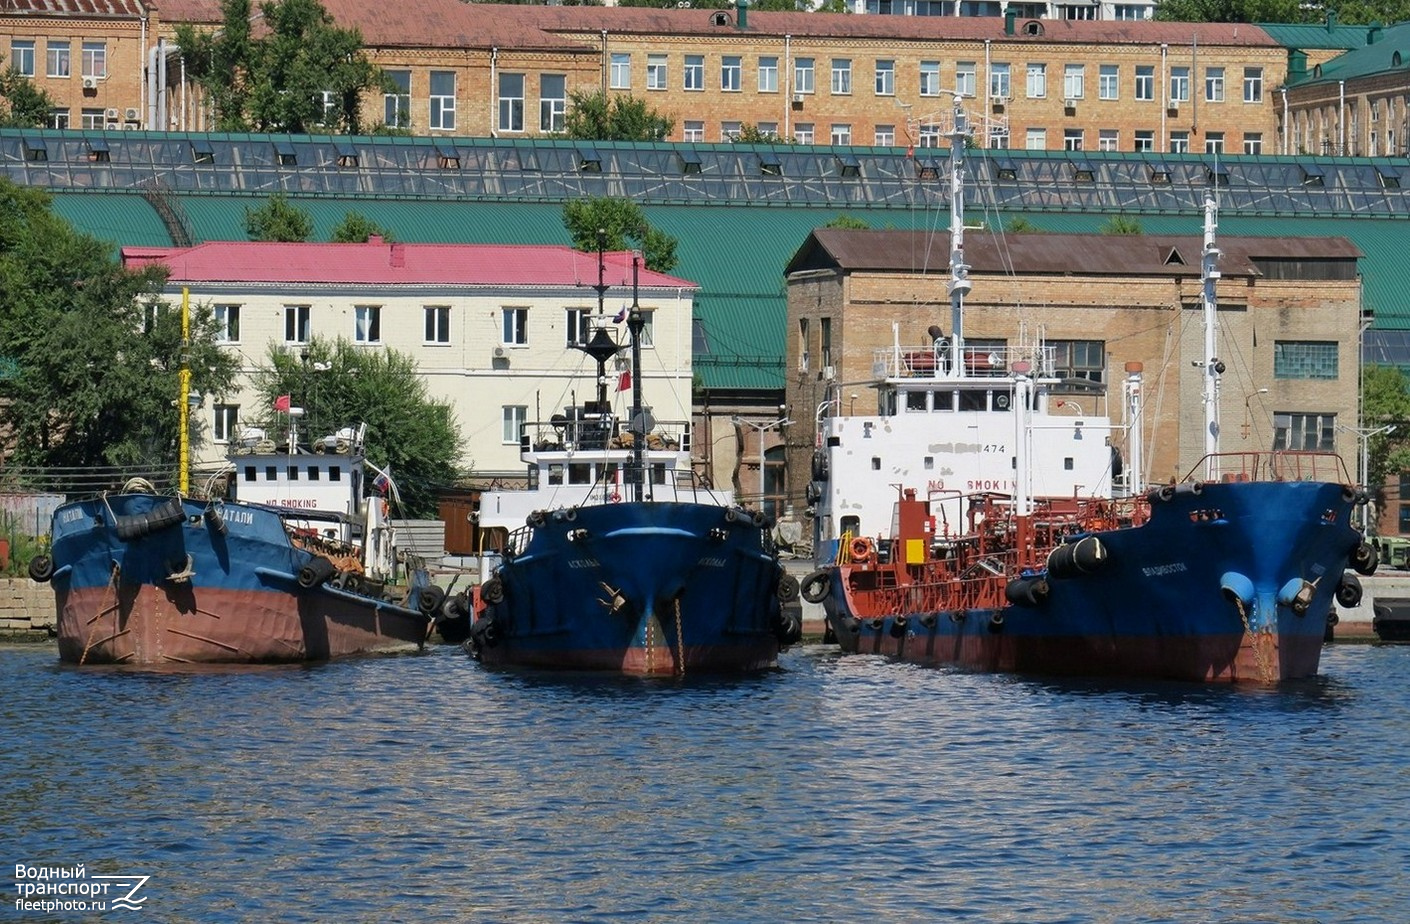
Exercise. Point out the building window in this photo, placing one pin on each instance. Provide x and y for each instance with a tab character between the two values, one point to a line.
1108	82
1214	84
516	326
1108	139
693	130
1000	82
768	130
1253	84
965	83
515	415
56	58
511	102
1074	81
803	133
1214	142
1180	84
930	78
22	57
226	424
656	72
1037	81
95	59
1305	359
1145	141
442	100
1145	82
58	118
885	78
825	341
91	119
396	107
1253	142
227	323
803	75
367	323
620	71
1130	11
553	102
841	133
729	131
841	76
768	74
803	345
577	328
1180	142
296	323
1072	139
885	136
1307	432
1080	359
1036	139
694	72
731	73
437	323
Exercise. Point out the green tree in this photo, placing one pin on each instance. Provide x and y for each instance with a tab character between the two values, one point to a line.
1385	402
1019	224
595	116
278	220
749	133
624	226
89	354
339	385
848	223
303	73
1121	224
356	228
22	104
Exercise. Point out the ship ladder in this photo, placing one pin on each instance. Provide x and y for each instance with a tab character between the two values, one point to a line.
1257	639
93	625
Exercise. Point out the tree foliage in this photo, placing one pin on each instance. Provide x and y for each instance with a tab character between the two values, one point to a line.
1385	401
1121	224
595	116
89	355
304	73
22	104
338	385
848	223
624	227
356	228
749	133
279	220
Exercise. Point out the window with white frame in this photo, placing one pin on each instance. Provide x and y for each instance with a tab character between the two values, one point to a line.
1145	82
1180	142
91	119
693	130
514	416
1253	84
1307	432
1108	139
841	133
768	74
884	136
965	82
1109	82
1214	84
656	72
1000	81
511	102
58	118
1037	80
22	56
1214	142
95	59
56	58
731	73
367	323
553	102
577	326
803	133
694	74
841	76
227	323
930	78
437	323
1072	139
442	101
1180	84
1036	139
1074	81
1253	142
296	323
885	77
803	75
620	71
768	129
516	326
802	344
225	427
1145	140
729	130
929	135
396	106
1131	11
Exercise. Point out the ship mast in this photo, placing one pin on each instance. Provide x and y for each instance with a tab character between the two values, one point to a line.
959	285
636	475
601	347
1213	368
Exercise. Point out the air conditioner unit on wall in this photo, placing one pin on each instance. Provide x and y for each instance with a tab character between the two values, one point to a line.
1069	104
499	352
798	98
130	114
111	126
90	83
112	115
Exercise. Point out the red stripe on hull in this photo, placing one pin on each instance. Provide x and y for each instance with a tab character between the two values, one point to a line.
152	625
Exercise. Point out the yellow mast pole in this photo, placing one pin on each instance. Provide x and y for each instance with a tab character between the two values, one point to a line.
183	406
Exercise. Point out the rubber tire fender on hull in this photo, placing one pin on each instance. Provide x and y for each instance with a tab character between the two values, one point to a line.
815	587
137	525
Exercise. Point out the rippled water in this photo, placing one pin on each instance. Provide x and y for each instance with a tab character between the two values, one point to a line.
424	788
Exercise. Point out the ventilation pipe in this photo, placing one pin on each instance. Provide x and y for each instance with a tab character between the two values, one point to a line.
741	14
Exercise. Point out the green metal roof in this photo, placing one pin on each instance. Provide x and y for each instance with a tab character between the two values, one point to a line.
1315	35
1389	52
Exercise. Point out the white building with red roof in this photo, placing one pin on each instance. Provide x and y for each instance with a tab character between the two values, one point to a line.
490	327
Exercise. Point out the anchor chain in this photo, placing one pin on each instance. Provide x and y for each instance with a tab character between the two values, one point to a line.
1256	640
680	641
650	641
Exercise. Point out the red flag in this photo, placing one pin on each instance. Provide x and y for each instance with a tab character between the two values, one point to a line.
625	380
281	403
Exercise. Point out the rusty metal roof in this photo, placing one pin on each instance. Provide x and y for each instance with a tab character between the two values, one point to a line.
1066	254
77	9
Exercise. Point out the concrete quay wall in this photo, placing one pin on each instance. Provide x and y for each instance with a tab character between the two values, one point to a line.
26	610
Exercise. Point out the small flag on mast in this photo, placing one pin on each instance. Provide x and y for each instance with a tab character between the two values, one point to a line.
624	381
281	403
620	316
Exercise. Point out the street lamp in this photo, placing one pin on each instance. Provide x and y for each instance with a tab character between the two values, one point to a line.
1364	434
761	429
1248	413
